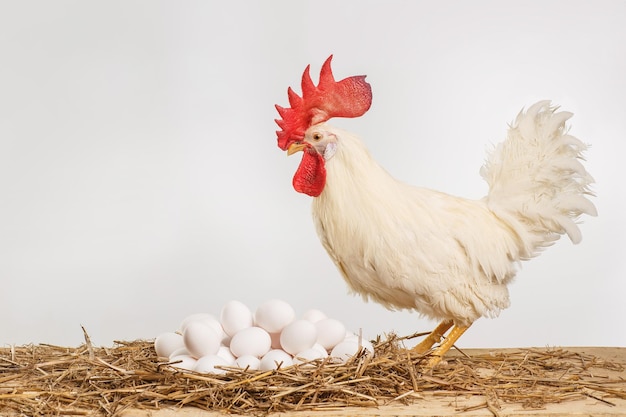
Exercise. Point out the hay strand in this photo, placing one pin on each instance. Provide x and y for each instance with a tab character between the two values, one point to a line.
42	380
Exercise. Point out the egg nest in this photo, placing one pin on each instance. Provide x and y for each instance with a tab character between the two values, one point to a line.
44	380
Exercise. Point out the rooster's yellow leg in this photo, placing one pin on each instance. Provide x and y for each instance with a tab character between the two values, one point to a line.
434	337
445	346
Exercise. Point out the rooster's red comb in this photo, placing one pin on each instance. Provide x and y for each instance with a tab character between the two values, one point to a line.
350	97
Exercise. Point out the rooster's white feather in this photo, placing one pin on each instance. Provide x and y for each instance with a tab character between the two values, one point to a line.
448	257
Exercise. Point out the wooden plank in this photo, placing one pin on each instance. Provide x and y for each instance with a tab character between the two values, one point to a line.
433	404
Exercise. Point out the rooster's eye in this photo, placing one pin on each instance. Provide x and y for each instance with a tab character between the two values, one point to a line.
317	136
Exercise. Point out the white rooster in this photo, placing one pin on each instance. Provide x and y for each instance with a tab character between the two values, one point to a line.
405	247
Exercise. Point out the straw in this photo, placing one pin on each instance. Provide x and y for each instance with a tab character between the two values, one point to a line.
43	380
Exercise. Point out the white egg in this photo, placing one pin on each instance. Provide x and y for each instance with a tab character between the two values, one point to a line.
297	336
251	341
200	339
235	316
225	353
330	332
207	319
166	343
368	346
343	351
190	318
313	315
274	315
321	349
360	340
309	355
216	325
248	361
208	365
351	336
275	358
180	351
184	362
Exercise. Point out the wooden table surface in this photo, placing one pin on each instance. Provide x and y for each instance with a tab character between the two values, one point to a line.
432	405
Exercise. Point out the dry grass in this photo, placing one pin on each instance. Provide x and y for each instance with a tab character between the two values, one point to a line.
46	380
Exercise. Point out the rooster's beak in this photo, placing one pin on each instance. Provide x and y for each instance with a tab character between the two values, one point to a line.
295	147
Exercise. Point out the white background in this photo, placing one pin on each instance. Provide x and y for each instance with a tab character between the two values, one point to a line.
140	179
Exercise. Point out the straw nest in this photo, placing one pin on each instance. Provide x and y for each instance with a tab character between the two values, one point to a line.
43	380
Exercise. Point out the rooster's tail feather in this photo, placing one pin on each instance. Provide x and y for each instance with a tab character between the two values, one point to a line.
537	183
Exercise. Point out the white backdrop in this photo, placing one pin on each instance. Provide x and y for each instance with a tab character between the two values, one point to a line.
140	179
